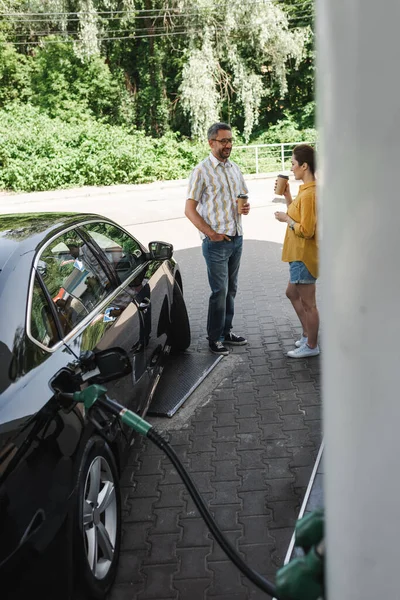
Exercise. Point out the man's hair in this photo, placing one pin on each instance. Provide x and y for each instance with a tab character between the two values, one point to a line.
213	130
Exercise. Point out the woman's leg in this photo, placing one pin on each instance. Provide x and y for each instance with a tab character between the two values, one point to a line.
295	298
306	292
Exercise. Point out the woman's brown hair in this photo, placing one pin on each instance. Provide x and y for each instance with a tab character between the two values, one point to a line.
304	153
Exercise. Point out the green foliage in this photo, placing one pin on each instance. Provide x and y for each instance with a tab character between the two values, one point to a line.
66	86
40	153
14	74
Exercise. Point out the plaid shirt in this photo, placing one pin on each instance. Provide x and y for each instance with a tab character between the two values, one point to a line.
215	186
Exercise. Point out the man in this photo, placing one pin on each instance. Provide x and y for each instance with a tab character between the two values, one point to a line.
212	207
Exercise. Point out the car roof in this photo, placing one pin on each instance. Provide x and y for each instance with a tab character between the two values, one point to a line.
22	233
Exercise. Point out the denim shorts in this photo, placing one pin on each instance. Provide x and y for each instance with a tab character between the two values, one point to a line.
299	273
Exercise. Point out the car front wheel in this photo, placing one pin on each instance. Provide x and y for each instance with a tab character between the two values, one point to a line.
98	519
179	338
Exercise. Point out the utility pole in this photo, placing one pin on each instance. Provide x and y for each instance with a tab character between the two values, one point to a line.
358	96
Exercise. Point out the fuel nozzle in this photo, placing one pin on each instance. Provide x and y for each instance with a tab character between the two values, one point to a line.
97	394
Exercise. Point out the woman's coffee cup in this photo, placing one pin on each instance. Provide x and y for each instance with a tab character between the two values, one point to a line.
241	200
280	185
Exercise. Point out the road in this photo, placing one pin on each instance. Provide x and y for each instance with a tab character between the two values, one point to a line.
155	210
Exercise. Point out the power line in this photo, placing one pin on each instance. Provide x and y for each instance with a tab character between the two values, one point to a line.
141	13
165	10
98	39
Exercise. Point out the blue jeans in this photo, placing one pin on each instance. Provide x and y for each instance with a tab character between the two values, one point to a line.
222	260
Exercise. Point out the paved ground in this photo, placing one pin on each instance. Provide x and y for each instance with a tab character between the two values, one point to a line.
250	444
249	435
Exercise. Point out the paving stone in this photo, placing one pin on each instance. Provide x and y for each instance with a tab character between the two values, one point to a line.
256	529
252	459
277	449
250	441
254	503
305	388
292	407
163	548
217	554
201	461
300	437
248	425
158	583
195	533
311	399
226	434
129	567
313	413
226	419
257	557
192	563
226	470
302	475
303	457
203	428
270	416
134	536
166	520
141	509
192	589
226	579
253	479
246	398
291	422
284	513
170	495
280	489
206	413
247	411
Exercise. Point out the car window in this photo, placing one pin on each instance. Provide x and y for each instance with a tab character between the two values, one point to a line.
73	277
122	250
42	323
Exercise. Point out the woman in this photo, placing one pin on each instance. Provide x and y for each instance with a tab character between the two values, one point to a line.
300	250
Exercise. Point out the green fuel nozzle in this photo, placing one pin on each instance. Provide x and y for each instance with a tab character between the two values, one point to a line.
97	394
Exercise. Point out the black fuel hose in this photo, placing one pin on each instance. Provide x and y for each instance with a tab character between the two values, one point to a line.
226	546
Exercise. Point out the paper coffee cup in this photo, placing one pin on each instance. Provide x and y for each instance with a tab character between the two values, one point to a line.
241	202
281	184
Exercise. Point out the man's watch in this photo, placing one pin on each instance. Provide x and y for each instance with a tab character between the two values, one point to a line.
292	224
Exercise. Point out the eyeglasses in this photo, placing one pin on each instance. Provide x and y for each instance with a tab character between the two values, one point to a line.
224	142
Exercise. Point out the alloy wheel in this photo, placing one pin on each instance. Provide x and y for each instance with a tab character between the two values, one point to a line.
100	517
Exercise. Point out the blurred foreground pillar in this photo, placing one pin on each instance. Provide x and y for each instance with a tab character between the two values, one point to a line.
358	97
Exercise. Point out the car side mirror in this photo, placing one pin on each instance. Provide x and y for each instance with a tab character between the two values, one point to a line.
159	251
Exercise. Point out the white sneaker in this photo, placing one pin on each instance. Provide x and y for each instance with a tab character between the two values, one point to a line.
304	352
303	340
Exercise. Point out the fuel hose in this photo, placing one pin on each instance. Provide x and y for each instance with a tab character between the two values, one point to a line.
96	394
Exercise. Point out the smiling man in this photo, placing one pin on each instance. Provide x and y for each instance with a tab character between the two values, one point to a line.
212	207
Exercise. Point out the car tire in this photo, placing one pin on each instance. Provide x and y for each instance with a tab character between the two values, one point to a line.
97	520
179	338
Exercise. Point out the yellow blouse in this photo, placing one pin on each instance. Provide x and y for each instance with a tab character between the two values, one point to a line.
302	242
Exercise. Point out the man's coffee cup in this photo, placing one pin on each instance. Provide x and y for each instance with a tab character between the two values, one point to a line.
241	200
281	184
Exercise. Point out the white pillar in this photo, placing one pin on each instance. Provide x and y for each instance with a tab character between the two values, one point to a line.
358	96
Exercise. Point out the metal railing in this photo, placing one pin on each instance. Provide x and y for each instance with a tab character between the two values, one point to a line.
265	158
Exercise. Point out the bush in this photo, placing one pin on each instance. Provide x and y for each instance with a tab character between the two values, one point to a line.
40	153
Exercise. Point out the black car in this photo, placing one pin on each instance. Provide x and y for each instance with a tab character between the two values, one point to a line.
74	287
